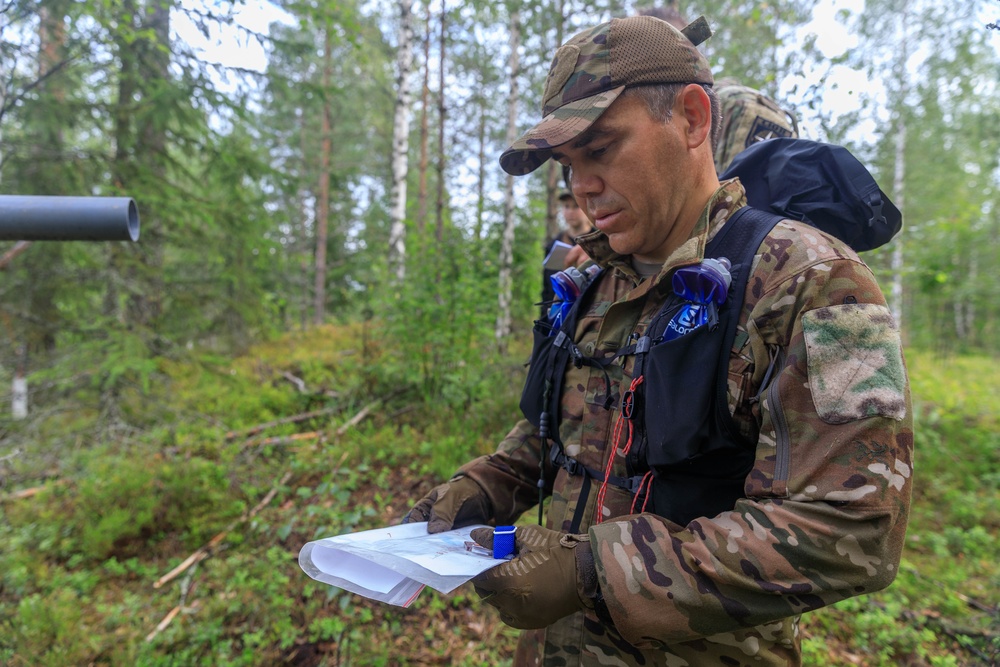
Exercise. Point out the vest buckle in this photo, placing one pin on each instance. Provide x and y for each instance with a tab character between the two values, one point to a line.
628	404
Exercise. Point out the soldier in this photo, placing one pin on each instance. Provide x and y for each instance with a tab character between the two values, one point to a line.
653	554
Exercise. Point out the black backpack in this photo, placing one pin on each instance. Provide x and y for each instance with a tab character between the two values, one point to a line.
820	184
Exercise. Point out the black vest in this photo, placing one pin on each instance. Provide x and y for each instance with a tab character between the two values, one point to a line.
685	434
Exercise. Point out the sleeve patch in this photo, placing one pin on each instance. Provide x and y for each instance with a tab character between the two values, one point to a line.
855	363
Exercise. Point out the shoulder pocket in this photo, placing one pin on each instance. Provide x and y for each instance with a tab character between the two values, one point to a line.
855	362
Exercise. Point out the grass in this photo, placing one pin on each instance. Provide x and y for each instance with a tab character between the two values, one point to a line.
79	559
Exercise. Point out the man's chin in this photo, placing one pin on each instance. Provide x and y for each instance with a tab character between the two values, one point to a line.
620	245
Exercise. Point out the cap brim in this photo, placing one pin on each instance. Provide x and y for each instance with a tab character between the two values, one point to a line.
564	124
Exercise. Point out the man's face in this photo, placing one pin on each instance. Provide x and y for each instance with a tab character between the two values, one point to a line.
631	174
576	220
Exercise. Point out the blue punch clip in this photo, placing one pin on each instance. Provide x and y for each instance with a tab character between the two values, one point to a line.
503	542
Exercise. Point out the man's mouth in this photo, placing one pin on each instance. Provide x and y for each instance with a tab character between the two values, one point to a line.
603	218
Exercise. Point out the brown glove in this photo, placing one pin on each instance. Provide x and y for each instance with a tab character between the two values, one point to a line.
456	503
552	576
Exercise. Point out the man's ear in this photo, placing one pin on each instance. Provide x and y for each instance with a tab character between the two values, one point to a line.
697	109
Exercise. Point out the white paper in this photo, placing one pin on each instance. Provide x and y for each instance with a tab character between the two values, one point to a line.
393	564
556	259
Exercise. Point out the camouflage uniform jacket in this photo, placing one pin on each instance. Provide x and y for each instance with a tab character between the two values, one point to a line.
817	378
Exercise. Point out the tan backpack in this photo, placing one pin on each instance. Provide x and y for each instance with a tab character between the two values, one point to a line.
748	117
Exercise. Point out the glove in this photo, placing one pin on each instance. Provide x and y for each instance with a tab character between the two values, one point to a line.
552	576
456	503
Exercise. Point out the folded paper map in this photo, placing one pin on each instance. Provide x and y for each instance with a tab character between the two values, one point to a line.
556	259
393	564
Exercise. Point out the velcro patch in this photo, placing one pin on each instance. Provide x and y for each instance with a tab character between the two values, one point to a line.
563	66
764	129
855	363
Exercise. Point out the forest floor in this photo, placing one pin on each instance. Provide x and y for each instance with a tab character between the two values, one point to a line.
175	541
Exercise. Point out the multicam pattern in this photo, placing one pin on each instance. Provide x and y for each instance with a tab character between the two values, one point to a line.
826	503
855	365
580	68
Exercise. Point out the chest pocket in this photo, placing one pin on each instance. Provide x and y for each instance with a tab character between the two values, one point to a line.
679	377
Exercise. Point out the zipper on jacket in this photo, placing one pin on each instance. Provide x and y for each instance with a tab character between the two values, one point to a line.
782	454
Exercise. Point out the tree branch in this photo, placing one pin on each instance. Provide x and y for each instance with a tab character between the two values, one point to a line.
294	419
206	550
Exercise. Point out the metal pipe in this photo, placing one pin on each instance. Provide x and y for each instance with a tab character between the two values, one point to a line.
42	218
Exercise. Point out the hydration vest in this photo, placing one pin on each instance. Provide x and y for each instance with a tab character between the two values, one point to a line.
685	434
686	437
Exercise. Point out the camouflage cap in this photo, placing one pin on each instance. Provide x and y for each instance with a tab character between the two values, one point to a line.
592	69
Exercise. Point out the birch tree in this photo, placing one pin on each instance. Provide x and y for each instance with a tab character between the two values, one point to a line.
899	170
401	141
425	93
933	104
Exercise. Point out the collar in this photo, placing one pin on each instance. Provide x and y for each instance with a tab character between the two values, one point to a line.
729	198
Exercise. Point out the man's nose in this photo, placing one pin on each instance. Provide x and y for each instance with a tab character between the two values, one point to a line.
585	184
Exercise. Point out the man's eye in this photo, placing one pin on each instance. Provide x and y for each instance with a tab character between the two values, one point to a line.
598	152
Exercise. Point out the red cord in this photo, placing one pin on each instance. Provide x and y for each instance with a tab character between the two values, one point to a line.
648	483
626	409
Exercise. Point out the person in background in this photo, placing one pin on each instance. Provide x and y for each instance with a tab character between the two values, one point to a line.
575	224
796	494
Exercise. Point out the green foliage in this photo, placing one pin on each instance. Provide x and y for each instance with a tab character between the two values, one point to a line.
54	629
82	554
877	632
438	327
120	505
158	378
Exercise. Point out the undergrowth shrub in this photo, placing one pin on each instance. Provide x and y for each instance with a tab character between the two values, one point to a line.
55	629
437	328
121	502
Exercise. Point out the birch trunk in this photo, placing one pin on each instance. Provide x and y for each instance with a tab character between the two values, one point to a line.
425	93
323	193
899	176
481	170
553	185
401	141
503	325
19	386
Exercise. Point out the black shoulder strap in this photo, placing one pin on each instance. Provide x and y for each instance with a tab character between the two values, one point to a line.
563	349
738	241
